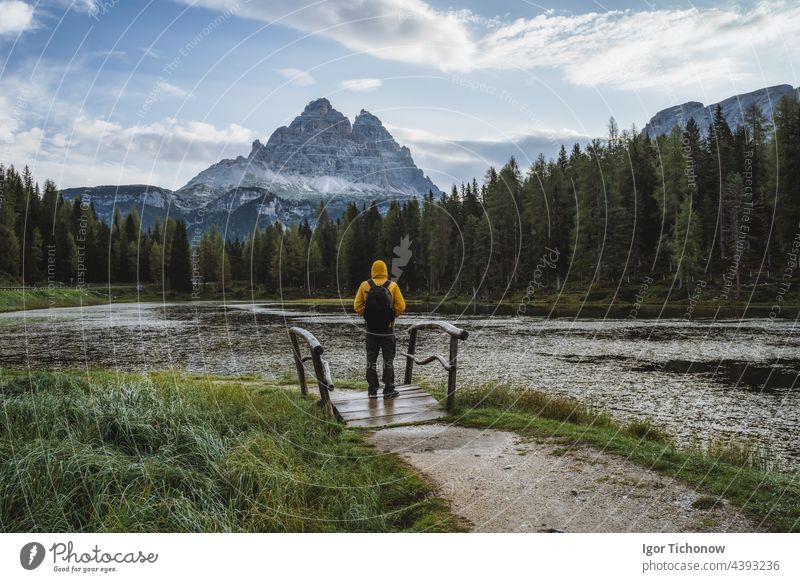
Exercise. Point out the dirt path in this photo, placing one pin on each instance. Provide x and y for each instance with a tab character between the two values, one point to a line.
501	482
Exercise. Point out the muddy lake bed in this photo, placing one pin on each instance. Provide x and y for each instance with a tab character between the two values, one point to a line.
699	379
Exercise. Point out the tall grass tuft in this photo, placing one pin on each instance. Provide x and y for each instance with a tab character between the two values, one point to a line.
644	428
741	453
170	452
542	404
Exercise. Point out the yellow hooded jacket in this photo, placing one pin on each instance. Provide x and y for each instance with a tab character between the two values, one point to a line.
379	274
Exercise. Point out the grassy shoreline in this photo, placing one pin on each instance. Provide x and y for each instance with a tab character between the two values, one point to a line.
566	304
101	451
44	298
740	472
172	451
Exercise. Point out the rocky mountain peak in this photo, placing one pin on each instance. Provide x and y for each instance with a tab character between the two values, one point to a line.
366	117
319	106
320	153
257	145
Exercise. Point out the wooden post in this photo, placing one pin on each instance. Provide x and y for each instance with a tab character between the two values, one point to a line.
451	373
324	394
298	364
412	346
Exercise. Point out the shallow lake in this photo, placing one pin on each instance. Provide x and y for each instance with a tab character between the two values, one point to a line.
700	378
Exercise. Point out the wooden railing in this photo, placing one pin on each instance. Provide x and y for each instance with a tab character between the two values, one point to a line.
451	364
322	370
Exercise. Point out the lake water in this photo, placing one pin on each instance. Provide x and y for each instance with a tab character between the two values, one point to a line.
699	378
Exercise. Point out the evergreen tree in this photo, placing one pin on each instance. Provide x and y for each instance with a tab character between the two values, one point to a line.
180	268
684	244
34	261
157	264
324	237
787	180
315	265
10	257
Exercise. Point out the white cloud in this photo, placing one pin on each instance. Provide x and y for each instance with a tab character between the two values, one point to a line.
150	52
170	89
113	54
297	77
630	49
8	121
17	17
171	140
82	5
640	49
456	160
401	30
74	147
90	7
93	151
360	84
28	143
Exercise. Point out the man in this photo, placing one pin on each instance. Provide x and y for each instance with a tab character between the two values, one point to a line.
380	302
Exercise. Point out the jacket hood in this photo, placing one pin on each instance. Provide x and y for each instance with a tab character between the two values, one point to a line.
379	270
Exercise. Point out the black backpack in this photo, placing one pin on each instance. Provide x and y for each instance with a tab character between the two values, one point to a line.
378	309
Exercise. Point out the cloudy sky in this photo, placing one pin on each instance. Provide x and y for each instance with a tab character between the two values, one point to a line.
128	91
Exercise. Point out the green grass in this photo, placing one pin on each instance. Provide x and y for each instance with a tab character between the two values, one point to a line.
645	428
738	472
536	402
42	298
742	453
173	452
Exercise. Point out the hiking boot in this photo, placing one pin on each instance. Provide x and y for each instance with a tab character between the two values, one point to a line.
372	393
390	393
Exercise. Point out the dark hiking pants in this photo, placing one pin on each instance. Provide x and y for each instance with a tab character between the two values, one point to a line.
383	343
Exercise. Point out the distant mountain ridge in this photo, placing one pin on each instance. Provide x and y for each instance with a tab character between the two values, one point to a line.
319	157
733	109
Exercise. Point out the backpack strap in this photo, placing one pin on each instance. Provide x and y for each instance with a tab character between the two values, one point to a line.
371	283
386	286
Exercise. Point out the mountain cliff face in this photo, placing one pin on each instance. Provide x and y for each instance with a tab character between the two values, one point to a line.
733	109
318	156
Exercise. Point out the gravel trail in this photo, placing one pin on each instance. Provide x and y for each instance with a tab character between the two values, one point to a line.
501	482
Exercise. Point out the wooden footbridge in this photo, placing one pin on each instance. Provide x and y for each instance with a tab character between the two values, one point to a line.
354	408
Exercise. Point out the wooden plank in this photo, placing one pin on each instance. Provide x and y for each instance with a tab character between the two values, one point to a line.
350	395
372	404
399	418
390	418
381	409
392	405
342	395
363	397
378	407
400	388
414	404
